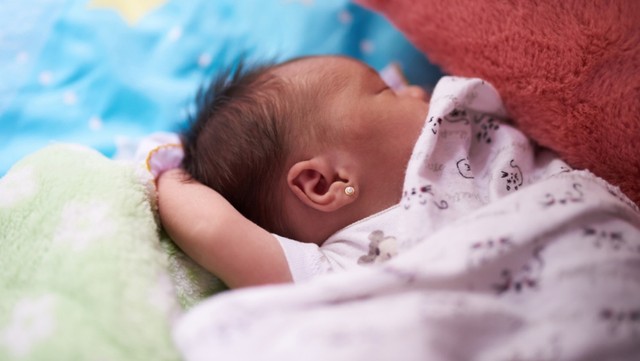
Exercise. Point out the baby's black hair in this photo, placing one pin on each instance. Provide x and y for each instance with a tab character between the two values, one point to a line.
237	142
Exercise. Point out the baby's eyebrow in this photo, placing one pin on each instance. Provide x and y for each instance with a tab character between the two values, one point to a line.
373	71
373	76
336	82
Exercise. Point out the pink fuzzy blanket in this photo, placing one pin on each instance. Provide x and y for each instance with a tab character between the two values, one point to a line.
568	71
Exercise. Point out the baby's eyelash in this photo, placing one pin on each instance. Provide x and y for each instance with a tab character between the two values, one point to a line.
393	76
386	87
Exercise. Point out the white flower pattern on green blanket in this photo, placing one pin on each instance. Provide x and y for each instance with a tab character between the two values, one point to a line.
17	186
78	223
86	272
32	320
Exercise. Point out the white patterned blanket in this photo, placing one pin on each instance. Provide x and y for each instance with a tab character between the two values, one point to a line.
516	257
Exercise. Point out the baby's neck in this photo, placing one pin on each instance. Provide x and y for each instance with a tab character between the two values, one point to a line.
308	225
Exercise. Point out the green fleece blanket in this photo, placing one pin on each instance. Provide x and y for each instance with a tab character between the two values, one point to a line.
85	272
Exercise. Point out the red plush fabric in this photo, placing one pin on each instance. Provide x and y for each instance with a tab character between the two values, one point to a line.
568	70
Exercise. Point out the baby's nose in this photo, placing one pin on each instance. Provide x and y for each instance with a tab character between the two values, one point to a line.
413	91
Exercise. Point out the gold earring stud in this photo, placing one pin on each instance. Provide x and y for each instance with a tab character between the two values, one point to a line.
349	190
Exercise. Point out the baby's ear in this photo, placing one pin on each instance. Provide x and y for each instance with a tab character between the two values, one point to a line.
318	184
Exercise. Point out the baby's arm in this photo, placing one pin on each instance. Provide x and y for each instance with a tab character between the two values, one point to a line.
217	236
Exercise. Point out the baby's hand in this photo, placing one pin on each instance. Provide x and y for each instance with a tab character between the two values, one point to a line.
160	152
215	235
164	158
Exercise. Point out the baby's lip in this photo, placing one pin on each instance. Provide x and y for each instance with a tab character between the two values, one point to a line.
413	91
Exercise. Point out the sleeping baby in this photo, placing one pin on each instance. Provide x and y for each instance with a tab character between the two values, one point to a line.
316	165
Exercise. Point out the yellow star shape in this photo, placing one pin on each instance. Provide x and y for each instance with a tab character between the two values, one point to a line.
130	10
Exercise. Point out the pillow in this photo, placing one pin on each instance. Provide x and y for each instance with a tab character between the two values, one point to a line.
568	71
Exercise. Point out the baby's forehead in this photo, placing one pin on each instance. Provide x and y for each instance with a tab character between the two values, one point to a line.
330	73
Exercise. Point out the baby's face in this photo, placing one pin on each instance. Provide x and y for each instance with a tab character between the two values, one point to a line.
371	120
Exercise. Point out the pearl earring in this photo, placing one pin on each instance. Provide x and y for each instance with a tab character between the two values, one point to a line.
349	190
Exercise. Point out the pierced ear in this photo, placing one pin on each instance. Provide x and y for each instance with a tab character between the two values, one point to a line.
317	183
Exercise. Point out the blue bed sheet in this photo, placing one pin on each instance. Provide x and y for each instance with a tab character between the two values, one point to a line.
104	73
